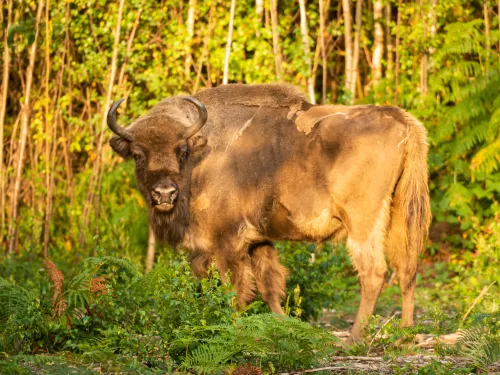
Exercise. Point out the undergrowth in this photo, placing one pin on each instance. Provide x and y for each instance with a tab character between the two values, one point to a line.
163	320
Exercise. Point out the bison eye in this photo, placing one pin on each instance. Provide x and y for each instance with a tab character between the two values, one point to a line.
183	153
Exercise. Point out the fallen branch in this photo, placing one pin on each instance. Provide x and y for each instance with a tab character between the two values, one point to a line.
476	301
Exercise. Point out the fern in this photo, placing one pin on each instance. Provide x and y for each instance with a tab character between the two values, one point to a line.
481	345
210	358
283	340
14	301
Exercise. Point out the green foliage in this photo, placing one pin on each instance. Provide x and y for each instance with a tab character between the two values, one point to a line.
167	312
323	273
482	343
284	341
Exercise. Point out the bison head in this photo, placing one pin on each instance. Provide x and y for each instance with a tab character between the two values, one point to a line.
163	143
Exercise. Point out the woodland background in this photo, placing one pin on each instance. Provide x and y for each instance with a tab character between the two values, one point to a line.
64	195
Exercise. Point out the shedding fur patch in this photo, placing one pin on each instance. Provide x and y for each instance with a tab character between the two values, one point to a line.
306	121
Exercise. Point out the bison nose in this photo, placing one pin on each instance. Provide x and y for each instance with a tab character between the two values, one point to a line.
163	194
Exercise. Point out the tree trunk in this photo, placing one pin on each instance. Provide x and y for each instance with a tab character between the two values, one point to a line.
190	32
323	49
25	115
150	257
388	38
398	27
259	9
349	76
425	56
276	40
49	125
307	51
378	51
487	33
3	107
229	41
355	59
94	190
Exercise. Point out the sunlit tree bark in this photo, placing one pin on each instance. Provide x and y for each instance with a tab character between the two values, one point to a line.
425	55
25	116
398	27
276	40
378	42
487	31
229	41
388	38
349	76
94	190
323	49
150	257
190	32
3	108
307	50
355	58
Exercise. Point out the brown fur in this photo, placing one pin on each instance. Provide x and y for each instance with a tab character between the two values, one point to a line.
270	166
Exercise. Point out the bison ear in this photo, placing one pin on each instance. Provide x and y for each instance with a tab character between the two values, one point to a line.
121	147
197	142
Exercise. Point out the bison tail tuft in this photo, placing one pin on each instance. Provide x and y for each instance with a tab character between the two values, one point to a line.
412	191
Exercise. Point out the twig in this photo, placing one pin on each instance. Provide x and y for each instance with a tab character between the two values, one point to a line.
378	332
476	301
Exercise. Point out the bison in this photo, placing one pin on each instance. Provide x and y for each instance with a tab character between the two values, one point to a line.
231	169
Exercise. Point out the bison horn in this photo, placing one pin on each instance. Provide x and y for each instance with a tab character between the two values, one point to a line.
202	116
115	128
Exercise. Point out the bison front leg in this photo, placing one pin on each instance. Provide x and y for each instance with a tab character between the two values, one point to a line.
270	275
241	276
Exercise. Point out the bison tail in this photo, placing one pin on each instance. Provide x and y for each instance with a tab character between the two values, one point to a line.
412	191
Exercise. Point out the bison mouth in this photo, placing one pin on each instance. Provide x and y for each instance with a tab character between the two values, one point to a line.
164	207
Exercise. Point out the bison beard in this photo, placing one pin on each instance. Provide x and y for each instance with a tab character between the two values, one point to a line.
275	167
171	226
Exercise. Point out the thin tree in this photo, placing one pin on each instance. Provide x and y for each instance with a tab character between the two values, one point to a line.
388	38
355	58
323	49
94	189
3	108
49	125
150	257
229	41
398	27
349	76
25	115
378	50
307	50
276	40
189	41
259	9
424	66
487	33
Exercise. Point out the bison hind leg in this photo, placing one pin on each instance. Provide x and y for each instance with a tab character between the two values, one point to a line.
270	275
369	261
403	257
